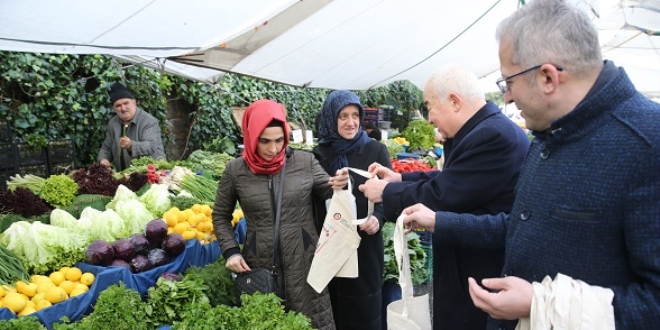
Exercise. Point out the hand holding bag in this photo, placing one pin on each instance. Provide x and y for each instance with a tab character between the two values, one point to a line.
409	313
261	279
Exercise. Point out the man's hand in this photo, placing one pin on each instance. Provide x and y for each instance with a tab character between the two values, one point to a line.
105	163
513	299
384	173
373	189
371	226
125	142
419	216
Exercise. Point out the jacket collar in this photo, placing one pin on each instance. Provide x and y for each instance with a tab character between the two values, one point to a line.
610	89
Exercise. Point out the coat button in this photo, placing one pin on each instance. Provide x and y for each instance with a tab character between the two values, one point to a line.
545	153
524	215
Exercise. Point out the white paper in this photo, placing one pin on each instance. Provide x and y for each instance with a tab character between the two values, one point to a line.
297	136
309	137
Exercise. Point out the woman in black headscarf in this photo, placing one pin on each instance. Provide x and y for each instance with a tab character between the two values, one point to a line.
356	302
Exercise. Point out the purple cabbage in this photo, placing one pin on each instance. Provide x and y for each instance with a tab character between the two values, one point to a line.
158	257
174	244
140	243
124	249
140	264
99	253
155	231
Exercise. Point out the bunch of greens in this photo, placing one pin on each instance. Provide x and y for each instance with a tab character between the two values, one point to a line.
199	186
220	145
219	286
164	300
184	201
393	147
258	312
415	251
36	141
419	134
116	308
22	323
29	181
210	162
59	190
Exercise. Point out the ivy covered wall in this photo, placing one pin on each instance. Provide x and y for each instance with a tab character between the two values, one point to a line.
65	97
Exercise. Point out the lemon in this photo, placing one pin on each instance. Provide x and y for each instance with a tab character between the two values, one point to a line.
189	213
207	210
38	279
73	274
56	294
170	218
15	302
77	292
43	304
30	304
181	227
170	230
68	286
196	208
174	209
200	235
64	269
20	286
188	235
57	277
27	311
3	291
39	297
81	286
181	216
87	279
45	286
30	290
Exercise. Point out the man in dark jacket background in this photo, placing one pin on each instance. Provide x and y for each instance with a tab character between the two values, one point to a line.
484	151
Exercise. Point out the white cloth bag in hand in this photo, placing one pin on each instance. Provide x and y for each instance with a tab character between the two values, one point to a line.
336	250
409	313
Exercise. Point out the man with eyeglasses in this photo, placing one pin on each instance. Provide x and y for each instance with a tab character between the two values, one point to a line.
582	243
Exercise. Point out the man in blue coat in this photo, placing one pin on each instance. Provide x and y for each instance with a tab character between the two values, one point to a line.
578	211
484	151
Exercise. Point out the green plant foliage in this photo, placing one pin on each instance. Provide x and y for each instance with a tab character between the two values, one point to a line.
420	134
66	97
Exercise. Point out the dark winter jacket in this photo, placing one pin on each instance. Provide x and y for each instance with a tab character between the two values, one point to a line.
481	169
356	303
587	204
304	178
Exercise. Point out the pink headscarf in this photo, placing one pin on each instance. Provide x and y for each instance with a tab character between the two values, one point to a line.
256	118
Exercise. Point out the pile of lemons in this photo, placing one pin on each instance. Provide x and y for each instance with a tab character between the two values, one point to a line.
401	140
41	291
192	223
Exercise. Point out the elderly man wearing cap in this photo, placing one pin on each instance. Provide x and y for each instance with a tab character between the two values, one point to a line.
132	133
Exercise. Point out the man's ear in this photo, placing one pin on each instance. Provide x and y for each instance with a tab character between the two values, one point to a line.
455	100
549	78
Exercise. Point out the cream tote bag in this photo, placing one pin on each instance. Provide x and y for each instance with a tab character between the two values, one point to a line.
336	250
409	313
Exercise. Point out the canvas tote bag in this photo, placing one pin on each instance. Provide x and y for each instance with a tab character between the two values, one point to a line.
409	313
336	250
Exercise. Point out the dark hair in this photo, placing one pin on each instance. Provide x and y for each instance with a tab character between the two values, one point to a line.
369	125
275	123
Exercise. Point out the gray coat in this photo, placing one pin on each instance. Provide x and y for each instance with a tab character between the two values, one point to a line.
304	177
144	133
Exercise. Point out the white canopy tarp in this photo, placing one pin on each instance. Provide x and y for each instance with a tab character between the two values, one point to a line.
348	44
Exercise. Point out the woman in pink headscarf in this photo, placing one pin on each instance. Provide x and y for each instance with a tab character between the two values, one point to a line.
254	181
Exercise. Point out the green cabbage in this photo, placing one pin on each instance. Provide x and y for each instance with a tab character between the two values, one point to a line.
157	199
122	194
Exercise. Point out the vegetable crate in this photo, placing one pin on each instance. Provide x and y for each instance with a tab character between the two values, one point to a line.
28	156
5	132
8	163
61	156
37	169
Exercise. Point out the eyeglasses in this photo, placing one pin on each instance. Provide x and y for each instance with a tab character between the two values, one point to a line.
503	82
